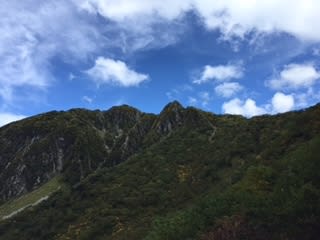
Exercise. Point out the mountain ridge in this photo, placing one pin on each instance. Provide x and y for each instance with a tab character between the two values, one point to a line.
123	167
115	127
110	123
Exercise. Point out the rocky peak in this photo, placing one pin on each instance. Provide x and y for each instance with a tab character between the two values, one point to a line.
170	117
174	106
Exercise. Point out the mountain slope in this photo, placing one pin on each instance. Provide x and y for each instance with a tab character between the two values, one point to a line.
75	143
183	174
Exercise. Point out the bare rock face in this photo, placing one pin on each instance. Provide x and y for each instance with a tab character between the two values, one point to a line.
170	117
72	143
77	142
28	159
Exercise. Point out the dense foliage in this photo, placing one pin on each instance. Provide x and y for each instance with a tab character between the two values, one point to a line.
210	177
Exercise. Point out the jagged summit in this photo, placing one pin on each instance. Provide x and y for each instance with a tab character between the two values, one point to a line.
172	106
170	117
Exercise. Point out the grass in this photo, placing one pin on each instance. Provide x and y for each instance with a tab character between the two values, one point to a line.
31	198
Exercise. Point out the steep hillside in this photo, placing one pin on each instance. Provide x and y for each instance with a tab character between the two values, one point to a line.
74	143
182	174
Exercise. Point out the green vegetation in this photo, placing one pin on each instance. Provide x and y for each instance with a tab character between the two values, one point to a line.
30	198
278	203
255	178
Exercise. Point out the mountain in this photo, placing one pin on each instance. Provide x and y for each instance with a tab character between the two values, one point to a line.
181	174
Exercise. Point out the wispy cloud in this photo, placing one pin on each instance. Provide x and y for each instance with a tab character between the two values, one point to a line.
192	101
228	89
179	91
201	99
306	98
87	99
204	98
138	25
32	34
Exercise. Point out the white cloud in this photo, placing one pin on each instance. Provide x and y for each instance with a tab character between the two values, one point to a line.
6	118
305	99
87	99
139	24
295	76
220	73
192	101
228	89
109	71
71	76
239	17
232	17
123	10
32	34
179	91
204	98
246	108
282	103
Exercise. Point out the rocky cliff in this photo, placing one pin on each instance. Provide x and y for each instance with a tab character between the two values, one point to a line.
77	142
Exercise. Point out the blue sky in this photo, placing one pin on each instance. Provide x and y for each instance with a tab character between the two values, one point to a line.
232	56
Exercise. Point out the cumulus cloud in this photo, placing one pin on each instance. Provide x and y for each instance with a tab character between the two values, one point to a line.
231	17
238	17
109	71
246	108
6	118
220	73
279	103
228	89
295	76
282	103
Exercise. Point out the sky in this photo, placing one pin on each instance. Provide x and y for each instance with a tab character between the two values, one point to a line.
246	57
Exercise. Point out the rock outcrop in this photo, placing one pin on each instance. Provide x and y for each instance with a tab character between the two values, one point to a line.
77	142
